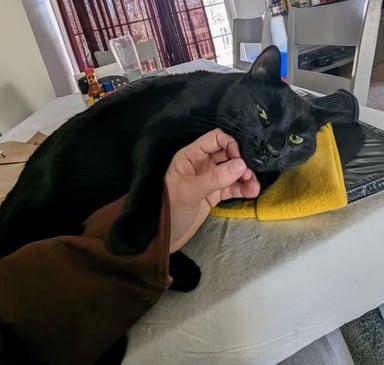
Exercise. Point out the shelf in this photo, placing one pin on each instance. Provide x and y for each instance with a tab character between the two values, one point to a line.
311	56
338	63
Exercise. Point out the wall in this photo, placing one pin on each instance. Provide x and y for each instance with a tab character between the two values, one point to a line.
25	85
51	45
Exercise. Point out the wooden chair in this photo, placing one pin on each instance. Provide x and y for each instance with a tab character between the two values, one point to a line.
347	23
250	30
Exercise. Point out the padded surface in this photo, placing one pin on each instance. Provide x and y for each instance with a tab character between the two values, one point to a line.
361	147
361	150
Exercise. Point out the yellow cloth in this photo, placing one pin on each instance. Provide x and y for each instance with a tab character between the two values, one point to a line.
311	188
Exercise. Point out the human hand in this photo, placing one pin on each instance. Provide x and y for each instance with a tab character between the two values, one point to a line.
201	175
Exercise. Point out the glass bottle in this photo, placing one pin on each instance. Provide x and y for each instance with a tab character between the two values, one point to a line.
124	50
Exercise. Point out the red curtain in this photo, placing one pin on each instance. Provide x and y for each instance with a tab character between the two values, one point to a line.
180	27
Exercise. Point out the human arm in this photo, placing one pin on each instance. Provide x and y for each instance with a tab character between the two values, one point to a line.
78	296
201	175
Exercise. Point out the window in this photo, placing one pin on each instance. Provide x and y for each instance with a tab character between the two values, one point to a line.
180	27
220	31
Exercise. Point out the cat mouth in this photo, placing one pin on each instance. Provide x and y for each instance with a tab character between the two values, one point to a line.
263	165
260	164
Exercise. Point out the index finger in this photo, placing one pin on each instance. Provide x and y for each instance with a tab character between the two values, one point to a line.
212	142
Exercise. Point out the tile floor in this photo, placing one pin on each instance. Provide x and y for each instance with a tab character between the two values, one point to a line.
376	90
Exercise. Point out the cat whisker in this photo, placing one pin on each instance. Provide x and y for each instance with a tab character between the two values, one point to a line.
220	122
197	117
230	127
227	121
258	161
227	126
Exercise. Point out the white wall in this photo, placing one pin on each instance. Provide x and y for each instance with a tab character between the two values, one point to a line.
24	82
51	45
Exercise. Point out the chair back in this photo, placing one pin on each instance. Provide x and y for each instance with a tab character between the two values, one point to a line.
104	58
347	23
147	51
250	30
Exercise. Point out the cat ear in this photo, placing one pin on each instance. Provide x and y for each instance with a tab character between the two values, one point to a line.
267	66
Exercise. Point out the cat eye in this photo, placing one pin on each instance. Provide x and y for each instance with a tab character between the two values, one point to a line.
295	139
263	114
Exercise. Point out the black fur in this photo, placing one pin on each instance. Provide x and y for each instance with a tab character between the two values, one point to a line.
124	143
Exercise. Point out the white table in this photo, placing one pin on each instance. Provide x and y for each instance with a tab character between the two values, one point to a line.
267	288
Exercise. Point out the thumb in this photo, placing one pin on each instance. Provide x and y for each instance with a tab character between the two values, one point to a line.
223	175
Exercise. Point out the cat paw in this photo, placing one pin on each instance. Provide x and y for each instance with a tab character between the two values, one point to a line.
184	271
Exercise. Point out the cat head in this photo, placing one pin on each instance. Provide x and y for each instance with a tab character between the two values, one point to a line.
276	129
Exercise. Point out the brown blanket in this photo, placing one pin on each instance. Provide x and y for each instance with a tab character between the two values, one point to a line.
66	300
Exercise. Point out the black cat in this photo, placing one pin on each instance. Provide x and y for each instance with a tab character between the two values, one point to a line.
124	143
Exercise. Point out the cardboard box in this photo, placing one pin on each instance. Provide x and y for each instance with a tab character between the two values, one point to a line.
13	156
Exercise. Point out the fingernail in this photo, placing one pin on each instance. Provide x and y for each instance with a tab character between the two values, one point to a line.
238	165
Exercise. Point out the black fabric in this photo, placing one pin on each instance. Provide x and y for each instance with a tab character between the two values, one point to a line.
343	101
360	145
361	149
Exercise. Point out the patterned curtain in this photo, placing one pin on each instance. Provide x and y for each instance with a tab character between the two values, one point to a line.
180	27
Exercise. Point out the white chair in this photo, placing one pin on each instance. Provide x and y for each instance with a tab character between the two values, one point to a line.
147	51
249	30
347	23
104	58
